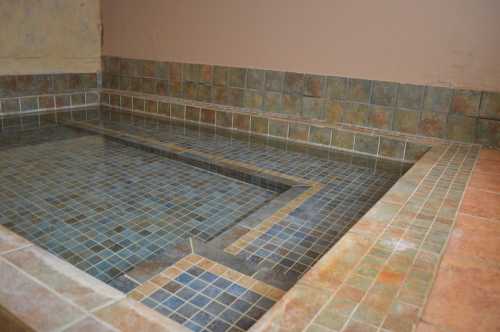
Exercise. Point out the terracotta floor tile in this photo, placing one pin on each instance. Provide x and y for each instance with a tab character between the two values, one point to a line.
489	154
485	181
475	237
481	203
465	296
488	166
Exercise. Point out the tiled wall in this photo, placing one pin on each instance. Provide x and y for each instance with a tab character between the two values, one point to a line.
462	115
29	93
25	100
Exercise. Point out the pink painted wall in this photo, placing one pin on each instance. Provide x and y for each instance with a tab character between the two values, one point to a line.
452	43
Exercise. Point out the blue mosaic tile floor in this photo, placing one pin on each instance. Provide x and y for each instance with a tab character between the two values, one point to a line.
104	206
204	301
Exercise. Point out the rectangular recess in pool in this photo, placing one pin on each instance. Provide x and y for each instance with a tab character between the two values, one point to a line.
105	207
206	226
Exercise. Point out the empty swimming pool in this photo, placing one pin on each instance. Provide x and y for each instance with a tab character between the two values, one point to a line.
192	222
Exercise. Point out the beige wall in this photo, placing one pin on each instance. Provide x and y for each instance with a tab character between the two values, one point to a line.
438	42
49	36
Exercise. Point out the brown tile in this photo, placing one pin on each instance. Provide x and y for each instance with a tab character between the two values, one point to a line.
298	131
242	121
485	181
128	315
488	166
465	296
334	111
475	237
489	154
63	278
208	116
481	203
32	303
259	125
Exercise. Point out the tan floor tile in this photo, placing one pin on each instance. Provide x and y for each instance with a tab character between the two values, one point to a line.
32	303
89	324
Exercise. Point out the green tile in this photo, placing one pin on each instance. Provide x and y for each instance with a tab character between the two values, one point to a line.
334	111
366	143
274	80
174	72
204	93
235	97
437	99
29	104
381	117
490	107
385	93
432	124
415	151
260	125
237	77
191	72
148	86
175	89
272	102
313	108
298	131
314	85
411	96
489	133
391	148
193	113
256	79
359	90
253	99
224	119
220	95
337	87
177	111
189	89
278	128
221	75
343	139
466	102
292	104
461	128
206	74
406	121
357	114
294	83
161	70
320	135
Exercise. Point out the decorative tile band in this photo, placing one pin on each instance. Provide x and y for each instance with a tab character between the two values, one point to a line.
373	143
26	85
428	111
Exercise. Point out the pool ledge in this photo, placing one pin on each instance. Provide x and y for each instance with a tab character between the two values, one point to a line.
376	277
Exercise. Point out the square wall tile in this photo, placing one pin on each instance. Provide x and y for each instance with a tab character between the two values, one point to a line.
359	90
337	87
256	79
259	125
415	151
208	116
466	102
241	121
461	128
221	75
437	99
490	107
320	135
174	71
193	113
292	104
314	85
278	128
224	119
273	102
357	114
411	96
237	77
489	133
274	80
381	117
406	121
385	93
253	99
432	124
298	131
391	148
366	143
313	108
343	139
191	72
334	111
294	83
206	74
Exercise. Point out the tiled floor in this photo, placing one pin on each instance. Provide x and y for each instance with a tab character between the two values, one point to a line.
105	207
466	293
